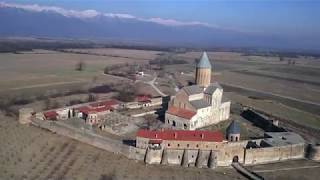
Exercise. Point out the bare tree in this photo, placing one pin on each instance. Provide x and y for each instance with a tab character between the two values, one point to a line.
80	66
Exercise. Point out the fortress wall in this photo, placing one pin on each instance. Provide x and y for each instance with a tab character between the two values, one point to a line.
85	136
314	153
230	151
174	156
189	158
137	153
153	156
213	159
203	158
191	145
192	157
274	154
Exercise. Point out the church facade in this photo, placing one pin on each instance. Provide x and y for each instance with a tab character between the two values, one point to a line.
198	105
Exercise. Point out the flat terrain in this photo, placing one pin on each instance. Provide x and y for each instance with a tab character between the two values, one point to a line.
288	91
28	152
293	89
43	71
298	169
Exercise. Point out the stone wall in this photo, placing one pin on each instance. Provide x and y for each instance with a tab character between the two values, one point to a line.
86	136
273	154
189	158
136	153
174	156
229	151
202	158
153	156
143	114
314	152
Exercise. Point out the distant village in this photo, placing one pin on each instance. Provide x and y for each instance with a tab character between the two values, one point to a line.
179	139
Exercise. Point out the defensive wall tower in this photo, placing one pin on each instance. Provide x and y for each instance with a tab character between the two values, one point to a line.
233	132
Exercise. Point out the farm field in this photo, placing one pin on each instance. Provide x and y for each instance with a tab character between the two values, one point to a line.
42	70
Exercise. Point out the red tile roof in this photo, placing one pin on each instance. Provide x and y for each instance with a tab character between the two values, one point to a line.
111	102
83	109
50	114
184	113
87	110
143	98
181	135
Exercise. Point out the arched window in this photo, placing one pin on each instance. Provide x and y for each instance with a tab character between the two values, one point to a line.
173	123
237	138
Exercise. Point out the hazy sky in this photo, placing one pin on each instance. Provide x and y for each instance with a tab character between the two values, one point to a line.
290	17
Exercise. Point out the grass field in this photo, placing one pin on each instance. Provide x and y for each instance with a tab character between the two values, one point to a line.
278	109
43	70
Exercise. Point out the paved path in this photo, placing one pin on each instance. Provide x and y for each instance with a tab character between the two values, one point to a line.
287	169
245	172
151	83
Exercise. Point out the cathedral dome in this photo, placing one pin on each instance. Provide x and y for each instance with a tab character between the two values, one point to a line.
203	71
204	61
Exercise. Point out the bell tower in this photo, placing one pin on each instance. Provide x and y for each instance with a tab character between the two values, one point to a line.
203	71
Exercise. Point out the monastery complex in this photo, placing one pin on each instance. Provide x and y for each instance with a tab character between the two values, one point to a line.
198	105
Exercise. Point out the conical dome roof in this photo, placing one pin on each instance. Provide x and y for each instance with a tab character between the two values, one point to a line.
204	61
233	128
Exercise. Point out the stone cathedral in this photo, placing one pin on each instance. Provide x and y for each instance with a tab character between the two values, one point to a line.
198	105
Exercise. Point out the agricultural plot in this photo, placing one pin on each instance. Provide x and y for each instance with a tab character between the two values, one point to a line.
41	70
298	90
124	53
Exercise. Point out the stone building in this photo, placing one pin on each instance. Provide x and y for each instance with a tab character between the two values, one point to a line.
209	149
180	147
198	105
233	132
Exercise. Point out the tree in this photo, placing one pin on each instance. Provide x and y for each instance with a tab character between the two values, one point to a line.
91	97
80	66
281	58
